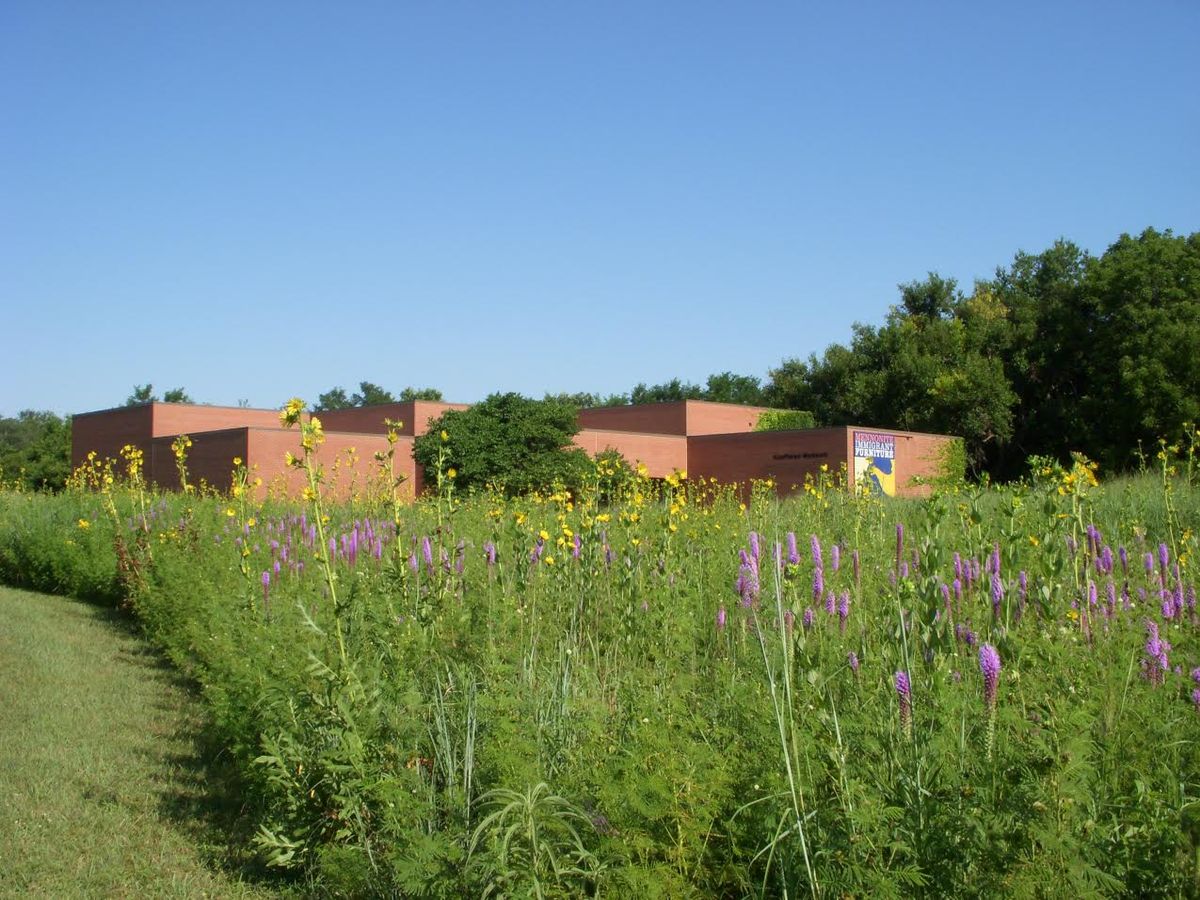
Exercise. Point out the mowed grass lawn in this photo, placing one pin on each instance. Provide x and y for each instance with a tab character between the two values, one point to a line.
104	787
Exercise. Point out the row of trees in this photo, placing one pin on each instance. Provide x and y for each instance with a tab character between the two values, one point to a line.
1060	351
369	394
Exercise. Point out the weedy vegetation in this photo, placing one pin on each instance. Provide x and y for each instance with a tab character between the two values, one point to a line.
666	689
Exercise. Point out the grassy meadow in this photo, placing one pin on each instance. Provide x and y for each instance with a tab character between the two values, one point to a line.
662	689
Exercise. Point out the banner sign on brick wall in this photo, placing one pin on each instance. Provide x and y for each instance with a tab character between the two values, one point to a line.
875	462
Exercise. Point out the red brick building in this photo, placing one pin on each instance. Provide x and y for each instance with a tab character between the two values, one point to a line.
708	440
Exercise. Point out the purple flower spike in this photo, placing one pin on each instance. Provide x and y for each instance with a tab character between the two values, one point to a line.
721	618
904	694
427	552
754	548
852	659
807	619
816	552
835	557
989	665
793	554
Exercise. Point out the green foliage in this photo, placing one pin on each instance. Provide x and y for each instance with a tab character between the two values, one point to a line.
144	393
35	450
426	393
508	441
724	387
369	394
1059	352
619	695
785	420
587	400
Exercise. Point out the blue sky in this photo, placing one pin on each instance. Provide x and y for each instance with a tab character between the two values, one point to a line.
260	200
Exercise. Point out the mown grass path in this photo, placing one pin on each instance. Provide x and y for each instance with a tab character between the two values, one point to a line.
102	775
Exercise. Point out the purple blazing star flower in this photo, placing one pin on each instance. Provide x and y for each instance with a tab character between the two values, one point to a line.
1123	556
807	618
817	559
721	618
989	665
427	552
852	659
958	567
1155	663
754	548
997	593
835	557
489	553
793	554
818	583
904	695
843	609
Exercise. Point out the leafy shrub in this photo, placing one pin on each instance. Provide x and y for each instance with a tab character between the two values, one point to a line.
507	441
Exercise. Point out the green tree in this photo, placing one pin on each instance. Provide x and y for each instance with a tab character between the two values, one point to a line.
35	450
144	393
666	392
427	393
588	400
514	442
369	394
334	398
726	387
936	365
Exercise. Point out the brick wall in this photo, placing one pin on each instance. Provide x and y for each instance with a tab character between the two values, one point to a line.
661	453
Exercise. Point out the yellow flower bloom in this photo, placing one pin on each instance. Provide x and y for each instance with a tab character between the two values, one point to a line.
85	524
452	473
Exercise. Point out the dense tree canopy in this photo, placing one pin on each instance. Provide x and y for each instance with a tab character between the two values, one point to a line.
35	450
1060	351
512	442
369	394
144	393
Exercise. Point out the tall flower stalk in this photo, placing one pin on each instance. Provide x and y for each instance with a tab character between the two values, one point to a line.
989	666
312	435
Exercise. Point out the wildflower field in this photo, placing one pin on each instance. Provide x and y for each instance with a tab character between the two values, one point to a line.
662	689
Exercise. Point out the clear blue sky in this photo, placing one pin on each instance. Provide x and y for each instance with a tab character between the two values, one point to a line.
253	200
